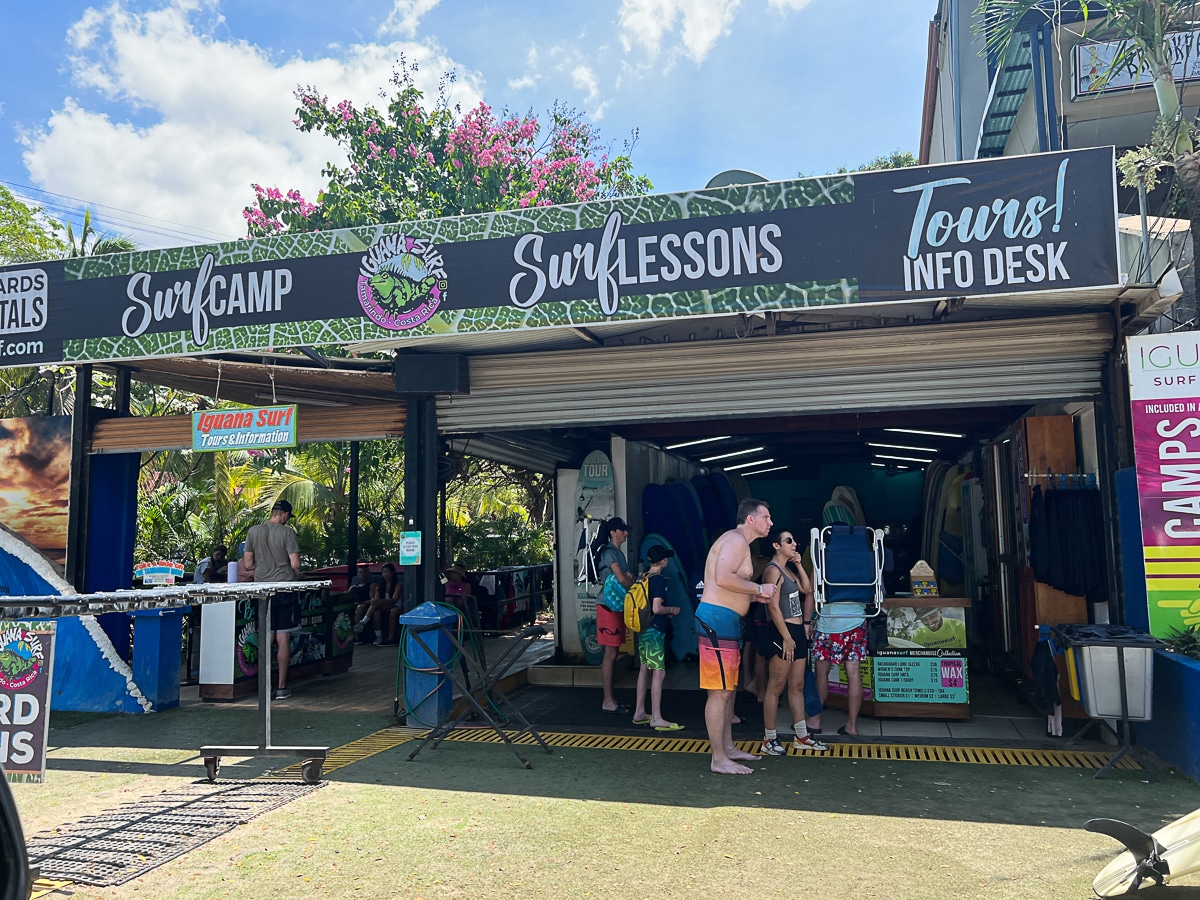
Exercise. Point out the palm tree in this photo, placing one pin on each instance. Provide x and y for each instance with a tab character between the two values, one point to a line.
100	244
1142	27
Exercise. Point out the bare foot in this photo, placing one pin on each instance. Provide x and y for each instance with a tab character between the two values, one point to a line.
728	767
735	753
659	723
736	720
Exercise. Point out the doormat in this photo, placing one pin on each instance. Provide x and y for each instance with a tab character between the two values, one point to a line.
118	845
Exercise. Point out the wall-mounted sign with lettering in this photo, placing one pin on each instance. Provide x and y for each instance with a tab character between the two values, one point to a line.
1024	224
253	428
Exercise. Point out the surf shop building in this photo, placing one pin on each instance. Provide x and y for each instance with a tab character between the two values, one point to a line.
936	351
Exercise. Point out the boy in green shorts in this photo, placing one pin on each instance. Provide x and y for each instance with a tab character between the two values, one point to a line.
652	645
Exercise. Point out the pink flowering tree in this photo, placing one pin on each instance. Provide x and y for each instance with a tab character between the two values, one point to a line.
416	160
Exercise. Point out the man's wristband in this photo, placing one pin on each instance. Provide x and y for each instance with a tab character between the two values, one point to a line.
808	621
759	589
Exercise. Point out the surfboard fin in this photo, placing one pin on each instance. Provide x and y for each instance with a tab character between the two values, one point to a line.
1146	851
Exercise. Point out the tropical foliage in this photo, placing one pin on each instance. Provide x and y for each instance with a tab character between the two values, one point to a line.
1142	28
419	159
26	233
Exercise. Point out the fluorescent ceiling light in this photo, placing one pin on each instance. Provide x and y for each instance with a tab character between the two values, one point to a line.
734	453
760	471
893	466
723	437
880	465
281	398
757	462
904	447
923	462
945	434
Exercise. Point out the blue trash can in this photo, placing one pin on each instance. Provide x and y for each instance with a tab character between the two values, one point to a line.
428	691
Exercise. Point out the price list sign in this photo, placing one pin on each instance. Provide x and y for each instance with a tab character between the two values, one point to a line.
920	679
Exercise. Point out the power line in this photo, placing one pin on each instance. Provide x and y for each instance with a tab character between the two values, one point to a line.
123	218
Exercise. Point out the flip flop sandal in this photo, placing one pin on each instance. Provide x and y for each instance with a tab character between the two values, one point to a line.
670	726
645	721
622	710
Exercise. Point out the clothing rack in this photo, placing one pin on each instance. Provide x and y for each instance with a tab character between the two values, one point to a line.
1065	481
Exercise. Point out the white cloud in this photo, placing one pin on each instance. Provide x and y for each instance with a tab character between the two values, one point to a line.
405	16
788	5
644	23
213	116
585	80
531	77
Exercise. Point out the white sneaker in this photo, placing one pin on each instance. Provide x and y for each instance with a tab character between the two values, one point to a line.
359	626
773	748
282	694
809	744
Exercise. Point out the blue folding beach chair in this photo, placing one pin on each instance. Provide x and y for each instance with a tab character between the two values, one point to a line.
848	564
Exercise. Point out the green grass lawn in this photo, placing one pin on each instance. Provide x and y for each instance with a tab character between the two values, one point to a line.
467	820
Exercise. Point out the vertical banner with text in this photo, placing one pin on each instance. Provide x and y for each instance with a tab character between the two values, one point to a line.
26	664
1164	382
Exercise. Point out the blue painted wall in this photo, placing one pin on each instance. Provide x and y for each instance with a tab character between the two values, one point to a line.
113	526
1174	734
1133	563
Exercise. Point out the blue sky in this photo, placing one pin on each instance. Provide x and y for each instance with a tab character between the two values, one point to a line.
160	113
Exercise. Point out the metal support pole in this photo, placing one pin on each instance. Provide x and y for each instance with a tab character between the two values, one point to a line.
1145	229
352	516
420	496
122	391
80	489
265	651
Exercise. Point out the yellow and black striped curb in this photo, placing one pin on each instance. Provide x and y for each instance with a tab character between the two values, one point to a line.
1063	759
389	738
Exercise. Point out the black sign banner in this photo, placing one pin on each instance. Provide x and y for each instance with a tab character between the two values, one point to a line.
1026	224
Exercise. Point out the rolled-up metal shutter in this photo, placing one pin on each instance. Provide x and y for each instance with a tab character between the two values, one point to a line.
942	365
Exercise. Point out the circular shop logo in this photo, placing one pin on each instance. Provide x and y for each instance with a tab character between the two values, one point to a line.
401	282
21	658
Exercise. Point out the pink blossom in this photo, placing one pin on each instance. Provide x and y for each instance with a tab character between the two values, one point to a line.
392	152
429	157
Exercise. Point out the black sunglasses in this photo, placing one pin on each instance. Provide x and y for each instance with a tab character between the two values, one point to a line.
787	540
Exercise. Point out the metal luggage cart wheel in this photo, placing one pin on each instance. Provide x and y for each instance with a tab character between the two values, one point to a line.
310	771
212	767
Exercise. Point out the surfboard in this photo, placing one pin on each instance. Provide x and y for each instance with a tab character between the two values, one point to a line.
1177	845
661	515
595	501
741	487
715	522
692	520
729	500
683	642
848	497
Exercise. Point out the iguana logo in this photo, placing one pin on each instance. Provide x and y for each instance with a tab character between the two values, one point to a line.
401	282
21	658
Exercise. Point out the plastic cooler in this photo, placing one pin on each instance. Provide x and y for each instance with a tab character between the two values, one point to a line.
1092	654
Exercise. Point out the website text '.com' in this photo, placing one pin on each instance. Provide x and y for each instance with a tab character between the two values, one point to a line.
20	348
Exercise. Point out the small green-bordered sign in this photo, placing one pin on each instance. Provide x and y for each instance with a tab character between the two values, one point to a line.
26	666
256	428
410	548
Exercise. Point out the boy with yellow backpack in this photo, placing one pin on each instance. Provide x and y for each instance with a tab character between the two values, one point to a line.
647	614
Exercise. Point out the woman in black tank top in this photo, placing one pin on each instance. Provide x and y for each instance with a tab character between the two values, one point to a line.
784	641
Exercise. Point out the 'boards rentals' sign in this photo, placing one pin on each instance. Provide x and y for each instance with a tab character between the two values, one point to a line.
1011	225
256	428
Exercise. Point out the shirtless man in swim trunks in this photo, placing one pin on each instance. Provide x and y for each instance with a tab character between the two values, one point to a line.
728	593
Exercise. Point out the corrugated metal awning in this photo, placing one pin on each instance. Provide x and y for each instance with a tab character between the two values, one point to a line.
925	366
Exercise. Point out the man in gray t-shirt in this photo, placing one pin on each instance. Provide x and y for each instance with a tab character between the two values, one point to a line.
273	554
